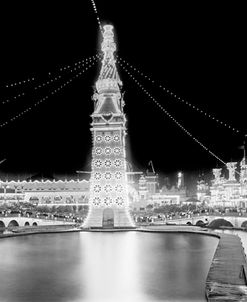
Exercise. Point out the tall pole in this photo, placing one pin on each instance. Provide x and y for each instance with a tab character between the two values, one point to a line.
244	146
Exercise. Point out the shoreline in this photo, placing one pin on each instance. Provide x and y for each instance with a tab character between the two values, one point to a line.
60	229
147	229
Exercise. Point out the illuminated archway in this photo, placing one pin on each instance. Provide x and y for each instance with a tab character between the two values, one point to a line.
35	224
108	218
27	223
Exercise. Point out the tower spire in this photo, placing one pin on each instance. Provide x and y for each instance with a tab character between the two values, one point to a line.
108	194
108	80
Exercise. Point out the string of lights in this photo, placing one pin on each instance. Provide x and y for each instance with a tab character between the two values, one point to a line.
18	83
97	15
178	98
69	68
169	115
13	98
53	92
77	64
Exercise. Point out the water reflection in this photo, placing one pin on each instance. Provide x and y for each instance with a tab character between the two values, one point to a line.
126	266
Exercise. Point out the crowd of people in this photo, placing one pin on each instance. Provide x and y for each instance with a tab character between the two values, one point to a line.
170	212
73	213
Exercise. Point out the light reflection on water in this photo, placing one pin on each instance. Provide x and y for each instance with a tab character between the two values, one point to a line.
128	266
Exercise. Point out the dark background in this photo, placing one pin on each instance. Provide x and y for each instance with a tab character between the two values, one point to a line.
196	50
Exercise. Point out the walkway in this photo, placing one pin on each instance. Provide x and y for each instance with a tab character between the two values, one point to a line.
226	279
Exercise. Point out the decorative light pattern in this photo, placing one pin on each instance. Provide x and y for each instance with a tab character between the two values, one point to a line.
117	150
116	138
98	138
18	83
97	188
53	92
79	64
178	98
108	79
119	201
107	151
119	188
107	175
98	151
118	175
107	163
107	201
70	68
170	116
97	15
13	98
97	163
107	188
108	138
97	175
48	82
117	162
96	201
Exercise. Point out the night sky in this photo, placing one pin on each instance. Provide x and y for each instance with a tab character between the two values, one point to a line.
197	51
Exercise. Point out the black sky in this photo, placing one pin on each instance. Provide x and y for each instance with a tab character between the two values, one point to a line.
196	50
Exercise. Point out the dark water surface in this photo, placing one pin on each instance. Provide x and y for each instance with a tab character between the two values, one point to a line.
128	266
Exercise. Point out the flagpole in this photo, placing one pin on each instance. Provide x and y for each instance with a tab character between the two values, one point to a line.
244	146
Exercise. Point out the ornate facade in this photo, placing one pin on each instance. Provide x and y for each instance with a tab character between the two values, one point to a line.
150	194
108	201
226	191
45	192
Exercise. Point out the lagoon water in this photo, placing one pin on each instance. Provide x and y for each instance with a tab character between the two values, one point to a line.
121	266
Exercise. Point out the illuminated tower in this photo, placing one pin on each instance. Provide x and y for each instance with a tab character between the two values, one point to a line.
108	201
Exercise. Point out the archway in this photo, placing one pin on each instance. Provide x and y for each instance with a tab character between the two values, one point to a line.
244	224
108	218
27	223
217	223
13	223
35	224
200	223
2	226
188	223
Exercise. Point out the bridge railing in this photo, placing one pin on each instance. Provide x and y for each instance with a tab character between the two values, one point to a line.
47	218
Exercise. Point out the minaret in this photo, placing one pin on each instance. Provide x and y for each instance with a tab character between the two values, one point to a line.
217	175
180	183
231	168
108	199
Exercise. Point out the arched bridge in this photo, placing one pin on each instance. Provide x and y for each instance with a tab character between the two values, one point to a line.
236	221
16	221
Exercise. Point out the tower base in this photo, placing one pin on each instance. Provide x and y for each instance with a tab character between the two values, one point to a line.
108	218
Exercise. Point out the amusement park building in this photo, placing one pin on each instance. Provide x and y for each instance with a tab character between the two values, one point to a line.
142	192
45	192
230	191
